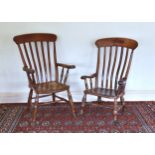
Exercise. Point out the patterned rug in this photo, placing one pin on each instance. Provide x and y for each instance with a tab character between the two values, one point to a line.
9	116
138	117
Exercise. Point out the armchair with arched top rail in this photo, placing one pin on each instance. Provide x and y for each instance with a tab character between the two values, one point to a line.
113	64
46	76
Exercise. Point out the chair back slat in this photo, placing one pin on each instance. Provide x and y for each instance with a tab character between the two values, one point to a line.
103	69
55	62
129	64
125	62
22	55
34	62
113	67
27	55
39	61
97	68
38	52
49	61
114	61
108	67
44	61
118	67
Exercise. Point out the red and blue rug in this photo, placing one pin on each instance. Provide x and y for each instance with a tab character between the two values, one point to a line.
138	117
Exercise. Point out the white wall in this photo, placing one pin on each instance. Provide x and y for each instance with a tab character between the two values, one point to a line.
75	45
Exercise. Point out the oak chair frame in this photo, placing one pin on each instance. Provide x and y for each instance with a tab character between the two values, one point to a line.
38	67
110	86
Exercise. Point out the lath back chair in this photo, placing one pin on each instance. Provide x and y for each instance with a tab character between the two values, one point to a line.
113	64
38	53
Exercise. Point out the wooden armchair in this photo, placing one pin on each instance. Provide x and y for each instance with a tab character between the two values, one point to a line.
38	53
113	64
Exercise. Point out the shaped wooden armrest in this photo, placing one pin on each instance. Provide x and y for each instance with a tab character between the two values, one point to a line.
88	76
64	74
88	80
30	75
66	66
28	70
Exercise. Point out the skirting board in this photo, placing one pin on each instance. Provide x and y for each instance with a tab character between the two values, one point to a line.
131	95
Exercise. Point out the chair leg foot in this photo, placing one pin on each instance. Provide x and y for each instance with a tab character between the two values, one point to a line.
71	103
116	122
115	116
33	119
81	112
34	114
99	99
83	104
74	115
53	98
35	109
29	100
122	103
123	109
73	112
115	112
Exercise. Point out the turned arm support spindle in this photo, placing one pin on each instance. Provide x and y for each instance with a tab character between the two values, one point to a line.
90	77
64	76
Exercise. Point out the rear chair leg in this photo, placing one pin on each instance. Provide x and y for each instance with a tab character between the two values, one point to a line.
35	108
99	99
83	104
29	100
71	103
53	97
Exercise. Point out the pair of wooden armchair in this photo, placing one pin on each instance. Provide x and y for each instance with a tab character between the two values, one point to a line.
47	77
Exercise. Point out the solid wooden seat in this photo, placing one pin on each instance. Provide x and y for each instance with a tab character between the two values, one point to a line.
45	75
113	64
109	93
50	87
